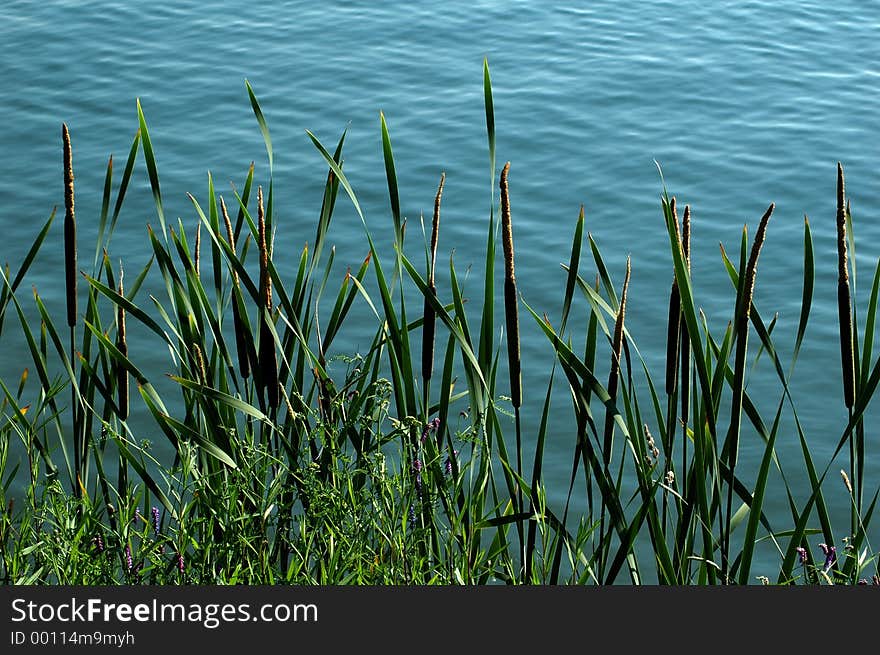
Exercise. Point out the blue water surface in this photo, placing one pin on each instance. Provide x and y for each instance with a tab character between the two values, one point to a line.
741	104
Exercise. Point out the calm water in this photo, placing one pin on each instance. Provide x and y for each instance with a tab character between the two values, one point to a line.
742	103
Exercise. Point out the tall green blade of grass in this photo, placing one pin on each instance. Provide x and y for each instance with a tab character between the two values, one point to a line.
261	121
152	171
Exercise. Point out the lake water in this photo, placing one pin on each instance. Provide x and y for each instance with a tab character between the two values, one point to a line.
741	103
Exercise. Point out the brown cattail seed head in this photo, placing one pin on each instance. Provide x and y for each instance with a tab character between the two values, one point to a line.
752	266
69	229
265	278
435	224
511	310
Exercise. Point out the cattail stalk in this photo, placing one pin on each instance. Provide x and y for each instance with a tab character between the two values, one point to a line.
80	453
237	324
685	344
747	289
122	346
616	354
69	229
267	359
511	311
844	307
430	316
613	380
673	325
511	314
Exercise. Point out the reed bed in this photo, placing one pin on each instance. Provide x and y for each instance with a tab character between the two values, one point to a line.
295	463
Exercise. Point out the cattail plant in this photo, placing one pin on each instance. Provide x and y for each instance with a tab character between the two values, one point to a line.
511	314
844	309
745	293
79	451
613	383
238	327
616	354
69	229
122	346
673	325
267	360
430	316
685	346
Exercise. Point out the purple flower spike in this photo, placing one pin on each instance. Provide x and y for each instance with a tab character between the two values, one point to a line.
417	465
802	554
99	542
180	566
435	424
128	562
412	516
830	553
447	466
155	515
137	515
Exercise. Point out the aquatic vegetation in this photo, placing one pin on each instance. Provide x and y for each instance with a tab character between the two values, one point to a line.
293	462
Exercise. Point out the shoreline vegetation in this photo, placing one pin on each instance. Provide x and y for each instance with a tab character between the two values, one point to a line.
295	464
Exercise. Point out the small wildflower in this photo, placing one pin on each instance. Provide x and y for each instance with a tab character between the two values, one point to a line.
180	566
802	554
447	465
432	426
764	580
137	515
99	542
830	553
154	512
412	516
128	561
670	478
